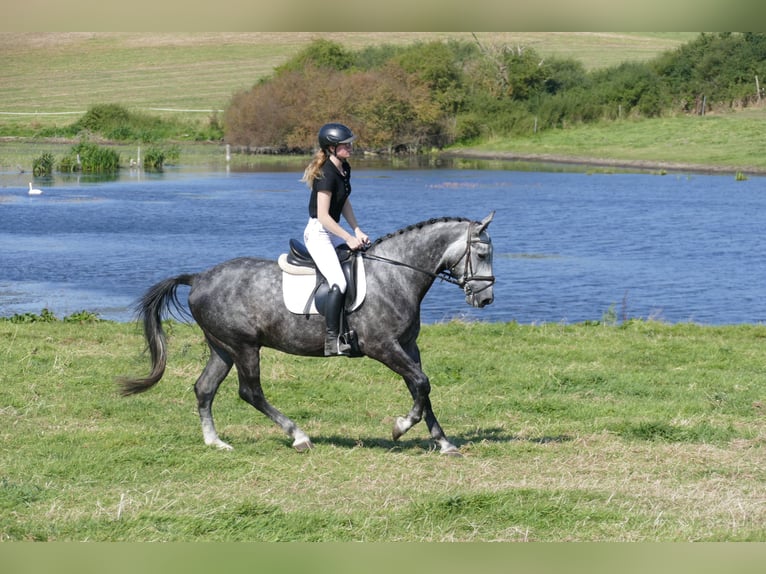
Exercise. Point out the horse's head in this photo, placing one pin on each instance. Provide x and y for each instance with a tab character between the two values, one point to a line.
473	270
463	248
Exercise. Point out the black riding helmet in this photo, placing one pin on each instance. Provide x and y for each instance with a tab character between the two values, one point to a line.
334	134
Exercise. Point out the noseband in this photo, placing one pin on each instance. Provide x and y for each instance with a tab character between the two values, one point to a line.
449	275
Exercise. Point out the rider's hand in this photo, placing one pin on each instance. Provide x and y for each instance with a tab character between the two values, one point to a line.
361	236
354	244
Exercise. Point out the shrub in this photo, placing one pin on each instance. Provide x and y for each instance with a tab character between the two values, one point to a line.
319	54
374	57
115	122
212	132
435	64
47	316
386	108
102	117
156	156
90	158
43	165
468	128
720	67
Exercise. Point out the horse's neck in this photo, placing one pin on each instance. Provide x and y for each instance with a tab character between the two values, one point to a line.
431	248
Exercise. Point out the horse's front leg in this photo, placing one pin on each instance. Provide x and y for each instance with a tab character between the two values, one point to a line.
423	408
407	363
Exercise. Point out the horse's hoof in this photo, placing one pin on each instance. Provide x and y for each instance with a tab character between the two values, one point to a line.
400	427
449	449
220	445
303	446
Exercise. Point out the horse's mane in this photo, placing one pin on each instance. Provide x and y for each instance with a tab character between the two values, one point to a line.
418	226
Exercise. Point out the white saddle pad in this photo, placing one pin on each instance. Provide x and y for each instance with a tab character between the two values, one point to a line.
298	284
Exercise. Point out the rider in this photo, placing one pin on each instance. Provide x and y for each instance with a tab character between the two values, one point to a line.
330	184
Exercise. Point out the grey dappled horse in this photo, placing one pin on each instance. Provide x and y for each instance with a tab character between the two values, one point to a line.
238	305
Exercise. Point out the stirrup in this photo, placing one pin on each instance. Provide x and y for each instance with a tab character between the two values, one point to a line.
335	345
350	339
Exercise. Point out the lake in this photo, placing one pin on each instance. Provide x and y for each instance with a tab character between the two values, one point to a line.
570	246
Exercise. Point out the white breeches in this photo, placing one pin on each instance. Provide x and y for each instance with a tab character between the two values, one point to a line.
321	244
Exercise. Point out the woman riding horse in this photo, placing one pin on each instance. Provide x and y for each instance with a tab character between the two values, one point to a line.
237	306
330	184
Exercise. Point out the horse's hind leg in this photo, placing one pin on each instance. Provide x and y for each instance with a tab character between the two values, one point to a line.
250	390
218	366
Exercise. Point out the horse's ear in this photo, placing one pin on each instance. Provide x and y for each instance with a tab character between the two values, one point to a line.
486	221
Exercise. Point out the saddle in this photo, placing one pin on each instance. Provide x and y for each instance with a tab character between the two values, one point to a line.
304	288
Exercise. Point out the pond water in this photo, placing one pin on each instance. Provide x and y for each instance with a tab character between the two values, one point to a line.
570	246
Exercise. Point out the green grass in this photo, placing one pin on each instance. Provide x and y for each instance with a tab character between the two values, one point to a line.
729	141
637	432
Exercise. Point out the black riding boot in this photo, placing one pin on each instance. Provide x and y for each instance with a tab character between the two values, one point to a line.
332	312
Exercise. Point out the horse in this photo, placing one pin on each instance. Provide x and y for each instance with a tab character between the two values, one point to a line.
238	306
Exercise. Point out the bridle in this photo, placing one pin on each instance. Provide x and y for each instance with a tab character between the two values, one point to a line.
449	275
468	274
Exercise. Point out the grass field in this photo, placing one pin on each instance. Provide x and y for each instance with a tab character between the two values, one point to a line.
727	142
638	432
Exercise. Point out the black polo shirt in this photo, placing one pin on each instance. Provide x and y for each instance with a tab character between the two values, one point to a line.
337	184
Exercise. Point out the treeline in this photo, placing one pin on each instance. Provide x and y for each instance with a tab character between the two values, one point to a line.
429	95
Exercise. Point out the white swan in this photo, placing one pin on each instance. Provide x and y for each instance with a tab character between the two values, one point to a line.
33	191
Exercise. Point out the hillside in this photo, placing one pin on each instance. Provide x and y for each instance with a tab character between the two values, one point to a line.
49	78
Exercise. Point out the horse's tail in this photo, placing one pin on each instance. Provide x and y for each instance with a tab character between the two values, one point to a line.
159	299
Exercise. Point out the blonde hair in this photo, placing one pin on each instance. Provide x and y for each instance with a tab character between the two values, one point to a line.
314	169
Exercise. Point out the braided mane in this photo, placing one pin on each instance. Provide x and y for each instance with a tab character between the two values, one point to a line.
418	226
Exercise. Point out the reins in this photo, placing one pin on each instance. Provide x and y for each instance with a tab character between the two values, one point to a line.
447	275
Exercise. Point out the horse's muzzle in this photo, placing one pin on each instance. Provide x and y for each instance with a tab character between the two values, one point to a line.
482	301
481	298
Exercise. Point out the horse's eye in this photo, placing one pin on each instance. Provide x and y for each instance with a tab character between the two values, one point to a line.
482	256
